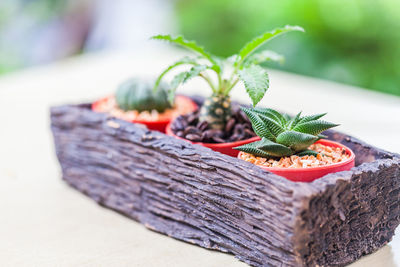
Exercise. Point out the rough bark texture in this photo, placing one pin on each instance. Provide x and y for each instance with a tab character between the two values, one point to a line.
218	202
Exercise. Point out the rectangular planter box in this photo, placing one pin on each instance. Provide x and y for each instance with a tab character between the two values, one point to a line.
194	194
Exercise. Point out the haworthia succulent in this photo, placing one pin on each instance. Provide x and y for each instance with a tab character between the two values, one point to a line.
282	135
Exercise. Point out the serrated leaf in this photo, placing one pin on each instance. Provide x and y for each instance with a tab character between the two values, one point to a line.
287	117
311	117
293	122
252	149
256	81
191	45
263	56
182	78
176	81
295	140
307	153
184	60
273	126
273	114
258	125
273	149
314	127
194	72
262	39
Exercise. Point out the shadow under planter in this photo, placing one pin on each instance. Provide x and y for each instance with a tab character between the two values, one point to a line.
194	194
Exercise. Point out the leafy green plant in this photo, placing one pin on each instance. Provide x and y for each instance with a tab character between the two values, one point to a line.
282	136
243	66
138	95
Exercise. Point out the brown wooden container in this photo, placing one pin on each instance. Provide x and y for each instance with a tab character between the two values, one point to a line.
194	194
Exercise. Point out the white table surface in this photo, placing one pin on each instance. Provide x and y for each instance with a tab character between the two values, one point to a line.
44	222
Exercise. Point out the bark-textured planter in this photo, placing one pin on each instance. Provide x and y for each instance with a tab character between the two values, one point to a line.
194	194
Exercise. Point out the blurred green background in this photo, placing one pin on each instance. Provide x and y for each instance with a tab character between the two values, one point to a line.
350	41
354	41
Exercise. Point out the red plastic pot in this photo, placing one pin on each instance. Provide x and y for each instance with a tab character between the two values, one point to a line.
159	125
224	148
312	173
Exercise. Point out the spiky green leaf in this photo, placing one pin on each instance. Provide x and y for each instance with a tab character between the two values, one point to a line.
176	81
295	140
314	127
293	122
252	149
287	117
183	77
183	61
252	46
273	126
312	117
264	56
273	114
194	72
273	149
256	81
258	125
307	153
191	45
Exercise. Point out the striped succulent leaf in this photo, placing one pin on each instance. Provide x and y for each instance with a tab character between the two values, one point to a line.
296	140
314	127
251	148
258	124
307	153
283	135
273	114
273	148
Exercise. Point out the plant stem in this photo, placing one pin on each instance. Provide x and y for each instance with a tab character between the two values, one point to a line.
208	80
229	88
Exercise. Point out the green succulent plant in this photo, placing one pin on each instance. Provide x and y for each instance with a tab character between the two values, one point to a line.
135	94
281	135
243	66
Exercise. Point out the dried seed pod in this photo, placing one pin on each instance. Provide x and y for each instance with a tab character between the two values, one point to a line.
180	133
202	125
207	134
193	137
249	132
179	123
234	138
192	119
229	125
218	139
247	125
218	133
239	129
191	130
242	116
173	127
